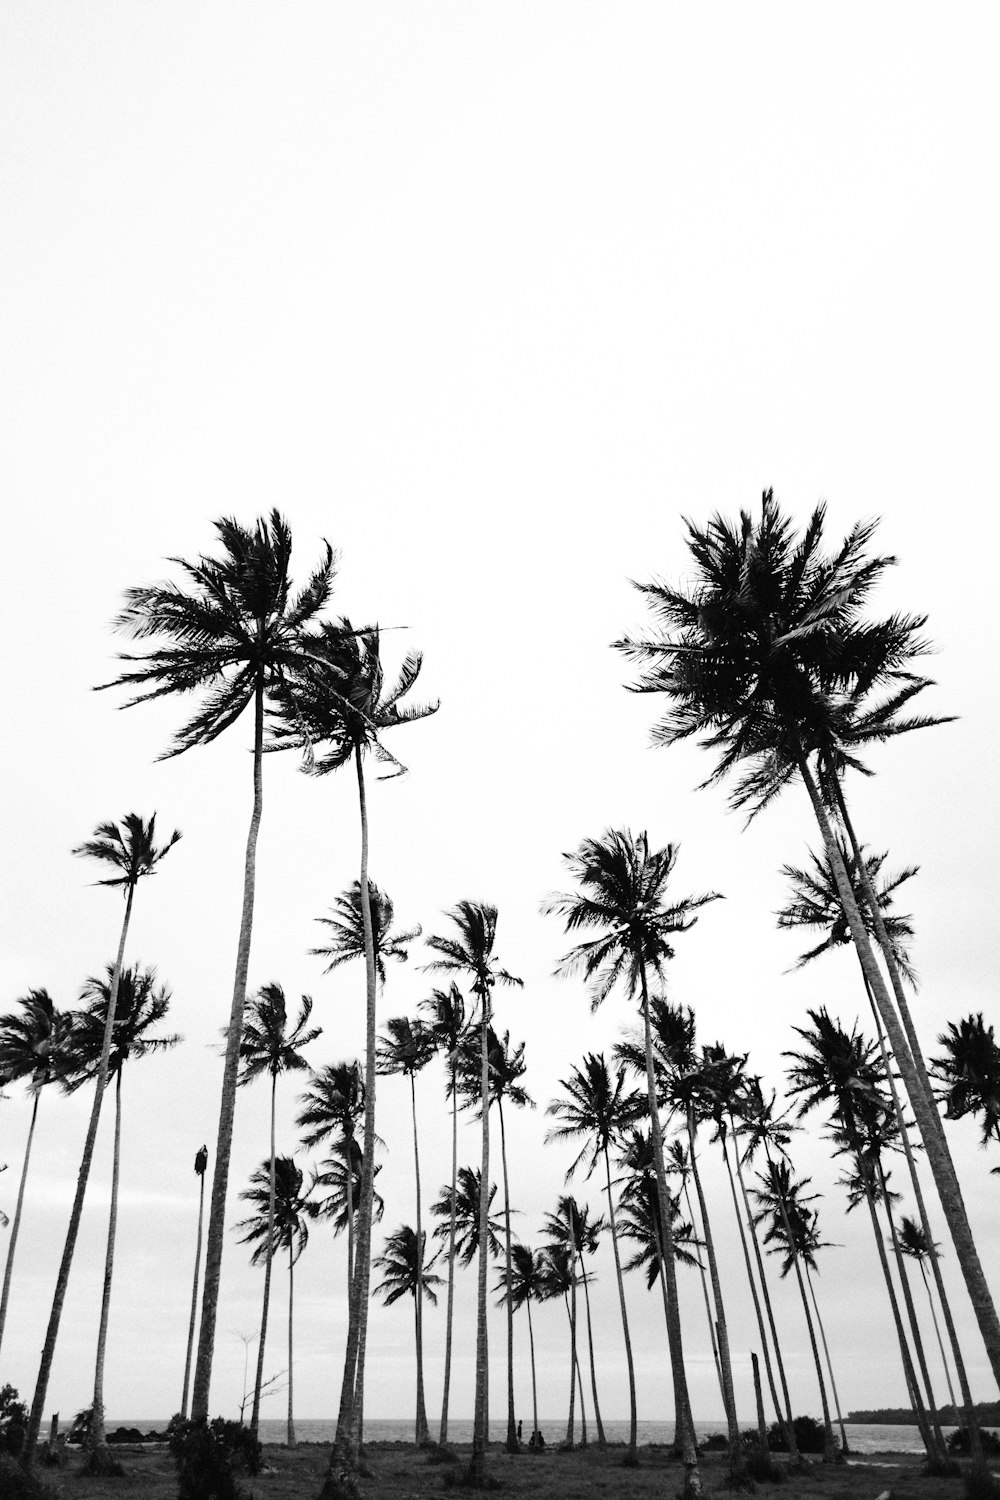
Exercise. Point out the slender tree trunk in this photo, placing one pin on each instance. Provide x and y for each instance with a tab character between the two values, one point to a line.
534	1383
571	1421
476	1473
844	1446
62	1280
512	1444
702	1276
194	1297
227	1106
583	1409
937	1329
423	1434
12	1246
99	1458
451	1252
737	1462
350	1215
602	1441
902	1038
269	1257
291	1442
632	1428
689	1455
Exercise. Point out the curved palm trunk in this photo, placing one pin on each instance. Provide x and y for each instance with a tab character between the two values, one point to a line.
708	1303
194	1297
227	1106
100	1458
844	1447
571	1315
910	1063
940	1342
259	1377
451	1254
737	1462
291	1441
689	1454
345	1456
476	1473
602	1441
12	1246
62	1280
632	1428
512	1444
423	1434
583	1409
534	1384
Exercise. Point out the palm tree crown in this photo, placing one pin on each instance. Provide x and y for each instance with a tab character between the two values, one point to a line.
265	1044
347	932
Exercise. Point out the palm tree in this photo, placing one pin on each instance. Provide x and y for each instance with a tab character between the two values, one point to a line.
140	1007
339	704
347	931
232	630
598	1109
623	893
335	1101
268	1047
408	1049
407	1271
585	1234
767	656
968	1074
30	1044
200	1167
464	1205
446	1026
914	1243
340	1173
287	1228
471	953
520	1286
131	850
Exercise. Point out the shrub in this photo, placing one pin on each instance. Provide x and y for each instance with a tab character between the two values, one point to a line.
13	1420
960	1443
209	1455
809	1436
21	1484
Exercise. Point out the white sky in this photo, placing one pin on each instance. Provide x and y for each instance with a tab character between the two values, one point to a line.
490	296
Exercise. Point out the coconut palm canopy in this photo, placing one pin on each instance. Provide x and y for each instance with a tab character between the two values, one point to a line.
273	286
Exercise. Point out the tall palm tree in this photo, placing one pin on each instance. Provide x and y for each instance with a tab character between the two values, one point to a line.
336	710
268	1047
559	1279
446	1025
464	1203
200	1167
768	657
347	931
340	1175
231	629
131	851
287	1228
623	894
521	1285
30	1043
598	1108
140	1007
407	1271
335	1101
584	1235
914	1243
471	953
968	1074
407	1049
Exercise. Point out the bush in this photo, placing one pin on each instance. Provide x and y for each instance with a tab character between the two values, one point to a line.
13	1420
809	1436
80	1430
209	1455
21	1484
960	1443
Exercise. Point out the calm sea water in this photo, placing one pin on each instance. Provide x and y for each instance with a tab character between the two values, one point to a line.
862	1438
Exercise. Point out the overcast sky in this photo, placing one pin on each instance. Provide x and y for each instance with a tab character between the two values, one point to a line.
490	297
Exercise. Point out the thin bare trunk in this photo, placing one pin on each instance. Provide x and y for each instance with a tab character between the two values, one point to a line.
194	1296
12	1246
291	1441
937	1330
96	1438
703	1278
534	1383
259	1377
602	1441
451	1253
423	1434
512	1443
476	1473
227	1107
632	1428
844	1446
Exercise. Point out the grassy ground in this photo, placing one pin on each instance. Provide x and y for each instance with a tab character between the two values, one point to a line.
399	1472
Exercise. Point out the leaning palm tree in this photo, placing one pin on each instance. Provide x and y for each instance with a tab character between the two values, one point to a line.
130	849
268	1047
768	657
232	630
286	1228
623	894
200	1167
406	1271
407	1049
140	1007
446	1026
520	1285
471	953
336	710
598	1108
30	1043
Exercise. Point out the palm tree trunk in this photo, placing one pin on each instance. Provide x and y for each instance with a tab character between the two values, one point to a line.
937	1330
476	1473
259	1377
844	1446
291	1440
9	1267
27	1456
707	1301
571	1420
512	1445
910	1064
227	1106
737	1463
423	1434
534	1383
583	1409
602	1441
689	1454
451	1253
194	1296
97	1440
632	1428
345	1455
